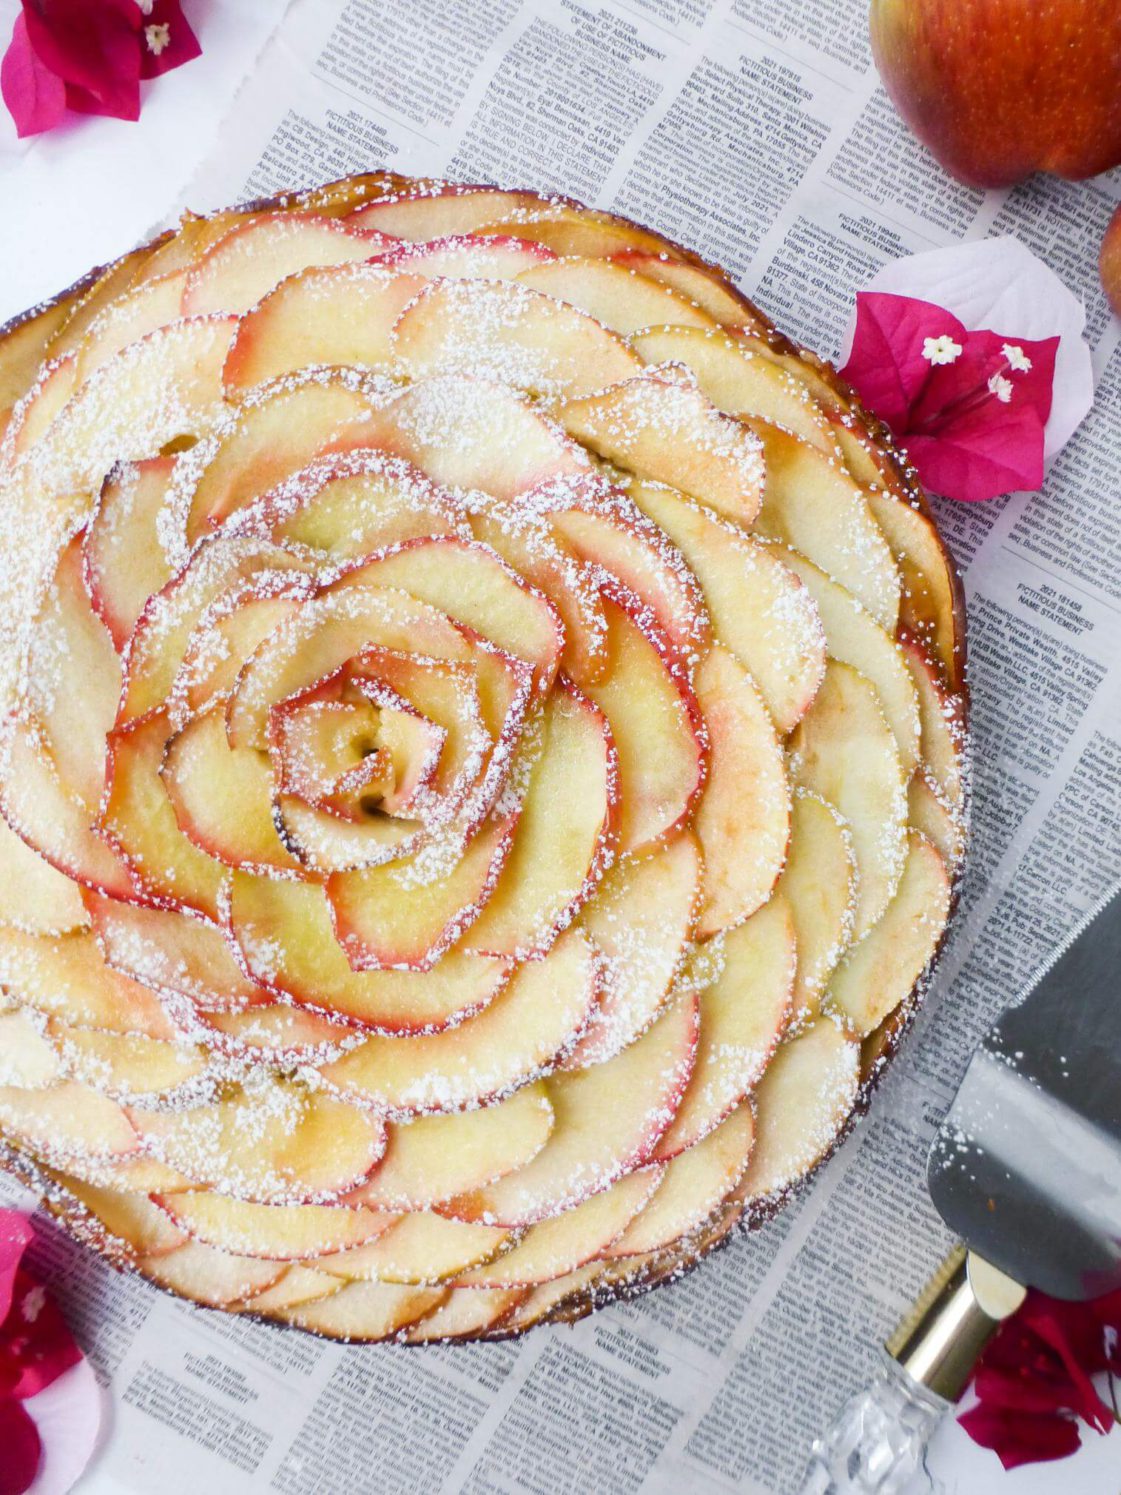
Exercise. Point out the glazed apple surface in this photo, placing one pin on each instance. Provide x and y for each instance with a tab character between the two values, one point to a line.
483	776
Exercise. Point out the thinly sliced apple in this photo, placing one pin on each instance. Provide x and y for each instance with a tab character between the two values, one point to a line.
341	316
539	1302
609	1120
132	1218
133	1173
743	818
73	679
801	1104
278	432
299	1286
287	943
737	380
555	860
571	230
278	1232
211	1277
929	812
168	953
845	751
692	1187
760	609
27	1059
466	1313
138	819
67	1121
854	637
618	295
67	978
942	718
124	559
747	976
881	971
323	748
430	215
274	1142
41	812
34	896
280	1033
662	428
222	797
253	256
523	1033
657	727
419	1248
128	318
564	1243
126	1066
640	919
431	1158
819	883
811	504
365	1311
506	331
35	412
467	257
712	294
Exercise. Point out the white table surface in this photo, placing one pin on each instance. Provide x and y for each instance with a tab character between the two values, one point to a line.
87	191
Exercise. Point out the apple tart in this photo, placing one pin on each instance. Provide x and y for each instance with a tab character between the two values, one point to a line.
482	773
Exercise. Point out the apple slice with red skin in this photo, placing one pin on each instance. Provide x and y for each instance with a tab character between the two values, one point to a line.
929	812
555	860
253	256
365	1311
322	748
619	296
431	1158
693	1185
278	431
68	978
276	1232
299	1285
35	412
562	1244
760	609
540	1301
211	1277
738	380
743	816
506	331
660	427
27	1058
467	257
942	723
168	953
341	317
163	632
124	562
571	230
34	896
854	637
419	1248
747	977
66	1121
131	1218
819	884
279	1033
609	1119
56	824
222	797
723	304
466	1313
881	971
127	1066
133	1173
656	724
640	919
523	1033
801	1104
138	820
475	433
287	944
73	679
844	750
430	215
274	1143
129	318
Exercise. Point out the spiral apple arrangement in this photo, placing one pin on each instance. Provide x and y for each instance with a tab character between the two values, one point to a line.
482	766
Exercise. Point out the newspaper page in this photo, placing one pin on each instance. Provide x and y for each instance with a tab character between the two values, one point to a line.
757	132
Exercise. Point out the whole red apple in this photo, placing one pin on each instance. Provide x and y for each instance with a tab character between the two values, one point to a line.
1001	88
1111	262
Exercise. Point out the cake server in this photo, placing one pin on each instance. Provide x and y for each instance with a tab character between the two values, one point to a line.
1026	1170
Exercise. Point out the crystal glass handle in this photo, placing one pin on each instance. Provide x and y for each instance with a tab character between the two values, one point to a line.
878	1441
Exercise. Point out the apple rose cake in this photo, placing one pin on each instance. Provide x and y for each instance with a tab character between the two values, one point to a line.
482	772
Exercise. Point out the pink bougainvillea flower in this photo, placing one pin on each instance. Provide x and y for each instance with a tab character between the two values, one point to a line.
89	56
36	1348
1034	1384
969	407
